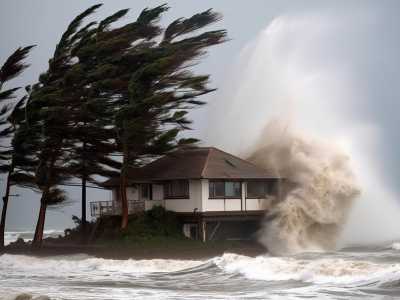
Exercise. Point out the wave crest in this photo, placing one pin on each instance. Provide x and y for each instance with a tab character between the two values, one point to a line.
319	271
316	196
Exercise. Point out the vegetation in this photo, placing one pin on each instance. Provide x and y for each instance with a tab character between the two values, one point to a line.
109	92
146	225
10	118
155	230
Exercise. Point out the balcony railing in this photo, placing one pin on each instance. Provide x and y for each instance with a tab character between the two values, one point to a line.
113	208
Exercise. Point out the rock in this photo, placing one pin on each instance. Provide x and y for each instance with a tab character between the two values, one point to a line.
19	243
23	297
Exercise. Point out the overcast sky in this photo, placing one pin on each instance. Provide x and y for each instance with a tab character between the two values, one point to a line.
374	62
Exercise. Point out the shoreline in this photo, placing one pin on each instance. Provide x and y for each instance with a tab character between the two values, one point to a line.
120	252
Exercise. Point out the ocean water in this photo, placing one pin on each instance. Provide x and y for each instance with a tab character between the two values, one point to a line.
357	273
12	236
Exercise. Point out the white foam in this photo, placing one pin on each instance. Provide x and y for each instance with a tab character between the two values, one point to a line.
395	246
319	271
12	236
86	265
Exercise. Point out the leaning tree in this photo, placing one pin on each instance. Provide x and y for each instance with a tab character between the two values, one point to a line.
10	114
113	90
144	70
48	120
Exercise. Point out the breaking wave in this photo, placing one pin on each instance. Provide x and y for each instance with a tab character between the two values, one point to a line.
230	276
82	263
12	236
318	271
395	246
316	194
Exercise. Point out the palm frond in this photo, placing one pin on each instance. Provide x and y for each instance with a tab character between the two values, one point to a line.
14	64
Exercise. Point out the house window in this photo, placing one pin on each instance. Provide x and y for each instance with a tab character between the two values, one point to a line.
145	191
260	188
176	189
225	189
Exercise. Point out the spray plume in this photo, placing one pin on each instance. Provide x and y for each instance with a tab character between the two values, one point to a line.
304	70
320	188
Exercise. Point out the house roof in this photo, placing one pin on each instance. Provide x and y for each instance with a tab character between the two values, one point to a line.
195	163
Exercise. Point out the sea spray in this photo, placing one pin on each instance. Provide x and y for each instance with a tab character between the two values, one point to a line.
310	69
314	205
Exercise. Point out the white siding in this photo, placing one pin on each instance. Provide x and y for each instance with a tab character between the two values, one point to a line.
215	205
205	195
158	197
187	205
158	192
198	199
253	204
132	193
233	204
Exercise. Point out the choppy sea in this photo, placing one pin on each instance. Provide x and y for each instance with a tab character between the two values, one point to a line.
357	273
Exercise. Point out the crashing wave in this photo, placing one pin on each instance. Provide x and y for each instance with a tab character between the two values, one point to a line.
316	198
317	271
395	246
12	236
84	264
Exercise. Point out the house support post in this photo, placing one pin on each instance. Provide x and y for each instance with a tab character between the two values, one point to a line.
215	230
203	230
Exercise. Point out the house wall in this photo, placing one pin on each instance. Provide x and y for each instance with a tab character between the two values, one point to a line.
131	192
158	197
231	204
198	199
190	204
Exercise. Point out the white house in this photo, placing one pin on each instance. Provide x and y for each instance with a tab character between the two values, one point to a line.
214	193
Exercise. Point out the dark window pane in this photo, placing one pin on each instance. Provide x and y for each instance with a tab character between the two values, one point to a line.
232	189
211	189
144	189
219	189
177	189
257	189
238	189
225	189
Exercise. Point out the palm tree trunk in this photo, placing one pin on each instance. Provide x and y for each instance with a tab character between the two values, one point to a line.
83	219
4	210
84	179
123	196
84	227
38	237
124	202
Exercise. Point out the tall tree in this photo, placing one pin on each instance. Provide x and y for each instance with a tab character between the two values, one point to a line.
161	91
125	89
145	79
48	113
9	116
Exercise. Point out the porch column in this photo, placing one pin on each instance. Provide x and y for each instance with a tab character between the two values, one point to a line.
203	230
243	200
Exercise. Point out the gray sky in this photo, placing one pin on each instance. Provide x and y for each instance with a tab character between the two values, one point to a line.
375	61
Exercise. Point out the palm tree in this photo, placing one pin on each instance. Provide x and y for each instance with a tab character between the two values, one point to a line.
13	66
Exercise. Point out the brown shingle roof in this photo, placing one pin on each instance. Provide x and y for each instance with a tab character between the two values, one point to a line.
196	163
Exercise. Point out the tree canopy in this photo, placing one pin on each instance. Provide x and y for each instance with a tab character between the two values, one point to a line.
111	91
